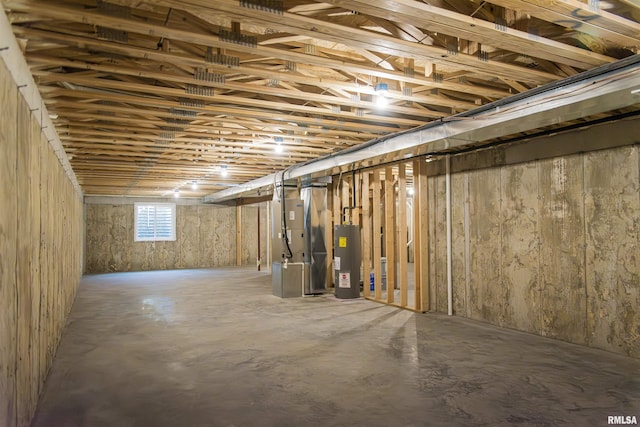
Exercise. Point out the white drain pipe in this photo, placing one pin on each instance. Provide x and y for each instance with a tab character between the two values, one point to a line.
449	249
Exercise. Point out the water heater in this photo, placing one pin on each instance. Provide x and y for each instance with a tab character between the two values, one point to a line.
346	261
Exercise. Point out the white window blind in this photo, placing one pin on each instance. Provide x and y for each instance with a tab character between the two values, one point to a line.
155	221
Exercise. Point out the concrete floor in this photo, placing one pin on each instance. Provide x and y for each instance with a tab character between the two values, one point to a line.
215	348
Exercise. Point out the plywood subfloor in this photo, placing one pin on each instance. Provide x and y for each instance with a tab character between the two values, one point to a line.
215	348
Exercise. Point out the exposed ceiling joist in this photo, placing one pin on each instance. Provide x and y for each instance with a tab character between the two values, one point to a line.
139	90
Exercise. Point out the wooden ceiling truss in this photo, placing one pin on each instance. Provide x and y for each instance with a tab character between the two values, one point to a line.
149	96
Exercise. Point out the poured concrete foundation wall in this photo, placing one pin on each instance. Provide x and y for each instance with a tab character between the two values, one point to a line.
205	237
547	246
40	254
250	235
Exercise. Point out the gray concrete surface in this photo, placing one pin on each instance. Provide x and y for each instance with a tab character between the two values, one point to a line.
547	246
215	348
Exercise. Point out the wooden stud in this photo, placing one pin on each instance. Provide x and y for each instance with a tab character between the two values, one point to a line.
356	186
403	276
337	203
377	224
345	190
390	231
366	234
421	235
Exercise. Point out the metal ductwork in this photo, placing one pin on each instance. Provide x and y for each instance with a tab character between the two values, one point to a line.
610	87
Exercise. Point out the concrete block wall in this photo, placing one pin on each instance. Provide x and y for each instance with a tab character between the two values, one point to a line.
40	254
550	245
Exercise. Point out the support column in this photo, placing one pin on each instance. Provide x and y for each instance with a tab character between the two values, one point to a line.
238	235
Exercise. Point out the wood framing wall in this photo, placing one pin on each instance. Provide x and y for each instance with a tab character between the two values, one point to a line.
384	208
206	236
545	246
545	234
40	254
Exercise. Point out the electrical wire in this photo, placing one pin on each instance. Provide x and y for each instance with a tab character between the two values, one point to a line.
285	236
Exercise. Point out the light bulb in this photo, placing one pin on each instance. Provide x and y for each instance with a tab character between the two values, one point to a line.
176	193
194	185
382	101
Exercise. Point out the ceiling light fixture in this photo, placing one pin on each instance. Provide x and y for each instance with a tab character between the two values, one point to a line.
224	172
382	101
382	89
176	193
279	148
194	185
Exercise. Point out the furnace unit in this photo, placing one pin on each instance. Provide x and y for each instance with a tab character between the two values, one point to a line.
287	232
314	198
298	241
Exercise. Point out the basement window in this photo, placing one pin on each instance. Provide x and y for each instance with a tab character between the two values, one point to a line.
155	222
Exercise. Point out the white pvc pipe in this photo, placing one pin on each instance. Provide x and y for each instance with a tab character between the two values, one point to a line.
269	228
449	277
